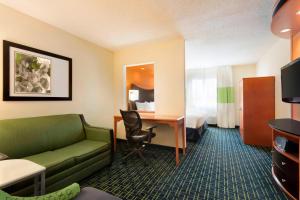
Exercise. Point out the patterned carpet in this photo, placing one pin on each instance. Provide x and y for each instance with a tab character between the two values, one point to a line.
218	166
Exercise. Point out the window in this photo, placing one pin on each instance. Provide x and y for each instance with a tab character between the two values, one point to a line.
201	96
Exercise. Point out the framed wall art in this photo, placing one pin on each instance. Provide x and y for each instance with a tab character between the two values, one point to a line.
31	74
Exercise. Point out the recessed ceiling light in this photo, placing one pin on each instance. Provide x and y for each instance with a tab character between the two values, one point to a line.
285	30
298	12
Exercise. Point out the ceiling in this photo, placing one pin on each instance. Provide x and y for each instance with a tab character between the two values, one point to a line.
217	32
239	34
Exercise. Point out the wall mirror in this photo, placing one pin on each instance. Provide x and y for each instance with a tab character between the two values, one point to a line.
140	88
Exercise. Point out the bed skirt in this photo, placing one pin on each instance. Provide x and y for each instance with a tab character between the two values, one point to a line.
193	134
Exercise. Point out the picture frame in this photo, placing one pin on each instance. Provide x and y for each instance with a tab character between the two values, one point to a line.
31	74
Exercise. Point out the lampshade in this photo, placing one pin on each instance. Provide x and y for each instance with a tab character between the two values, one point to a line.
133	95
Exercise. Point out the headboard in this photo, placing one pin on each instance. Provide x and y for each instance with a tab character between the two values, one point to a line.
144	95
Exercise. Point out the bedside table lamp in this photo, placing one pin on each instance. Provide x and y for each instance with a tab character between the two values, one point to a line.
133	95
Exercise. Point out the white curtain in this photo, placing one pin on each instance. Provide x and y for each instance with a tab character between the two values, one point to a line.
225	93
201	93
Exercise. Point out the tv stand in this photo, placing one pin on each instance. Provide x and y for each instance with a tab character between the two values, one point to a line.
285	155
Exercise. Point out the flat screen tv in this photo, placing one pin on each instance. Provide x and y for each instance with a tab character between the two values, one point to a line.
290	82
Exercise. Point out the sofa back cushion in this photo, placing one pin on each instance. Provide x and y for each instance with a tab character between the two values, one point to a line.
28	136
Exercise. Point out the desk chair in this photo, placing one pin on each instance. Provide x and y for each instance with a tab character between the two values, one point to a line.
135	135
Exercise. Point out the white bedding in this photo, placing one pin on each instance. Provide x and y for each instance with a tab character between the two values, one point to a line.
194	121
145	106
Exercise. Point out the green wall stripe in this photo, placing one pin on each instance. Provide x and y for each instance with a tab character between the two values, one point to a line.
225	95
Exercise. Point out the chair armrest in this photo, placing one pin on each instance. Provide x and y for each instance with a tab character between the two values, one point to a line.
150	128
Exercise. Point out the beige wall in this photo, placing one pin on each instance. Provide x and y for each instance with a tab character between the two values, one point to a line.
238	73
92	70
168	58
269	65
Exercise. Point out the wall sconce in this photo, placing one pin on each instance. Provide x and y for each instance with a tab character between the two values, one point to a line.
133	95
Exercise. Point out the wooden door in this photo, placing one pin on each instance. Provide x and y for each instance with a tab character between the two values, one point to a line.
241	110
259	108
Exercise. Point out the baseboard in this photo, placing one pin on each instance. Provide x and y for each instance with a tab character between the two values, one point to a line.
215	125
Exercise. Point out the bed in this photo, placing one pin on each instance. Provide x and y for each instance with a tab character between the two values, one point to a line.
195	127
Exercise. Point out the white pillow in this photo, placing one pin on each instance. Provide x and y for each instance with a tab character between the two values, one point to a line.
146	106
140	106
150	106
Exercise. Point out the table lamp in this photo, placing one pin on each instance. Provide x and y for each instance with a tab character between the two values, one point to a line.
133	95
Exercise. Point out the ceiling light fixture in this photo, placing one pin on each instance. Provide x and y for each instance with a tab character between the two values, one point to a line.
298	12
285	30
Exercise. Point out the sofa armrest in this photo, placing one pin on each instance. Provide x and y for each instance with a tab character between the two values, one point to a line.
97	133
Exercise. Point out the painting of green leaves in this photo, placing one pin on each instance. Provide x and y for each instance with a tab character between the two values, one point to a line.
32	74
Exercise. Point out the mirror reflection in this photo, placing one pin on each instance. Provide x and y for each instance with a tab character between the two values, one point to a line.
140	88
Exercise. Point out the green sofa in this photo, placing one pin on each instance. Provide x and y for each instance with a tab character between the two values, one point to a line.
66	145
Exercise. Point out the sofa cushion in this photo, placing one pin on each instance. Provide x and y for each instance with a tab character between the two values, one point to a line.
29	136
64	178
61	159
83	150
102	159
65	130
54	162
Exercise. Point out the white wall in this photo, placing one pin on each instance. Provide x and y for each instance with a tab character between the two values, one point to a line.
238	73
269	65
92	70
168	58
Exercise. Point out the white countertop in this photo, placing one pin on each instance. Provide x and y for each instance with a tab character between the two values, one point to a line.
14	170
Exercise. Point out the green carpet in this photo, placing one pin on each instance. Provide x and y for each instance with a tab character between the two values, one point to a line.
218	166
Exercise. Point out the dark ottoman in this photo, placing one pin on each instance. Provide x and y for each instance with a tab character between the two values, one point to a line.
89	193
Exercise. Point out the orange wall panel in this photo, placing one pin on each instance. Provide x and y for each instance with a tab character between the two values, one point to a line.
295	46
295	41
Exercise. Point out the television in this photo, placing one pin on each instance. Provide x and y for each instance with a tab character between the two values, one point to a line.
290	82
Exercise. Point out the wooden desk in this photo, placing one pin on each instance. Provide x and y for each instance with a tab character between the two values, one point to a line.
173	121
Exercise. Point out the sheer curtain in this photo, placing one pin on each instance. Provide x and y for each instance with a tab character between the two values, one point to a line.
201	93
226	109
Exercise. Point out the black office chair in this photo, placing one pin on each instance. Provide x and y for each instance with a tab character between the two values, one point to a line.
136	137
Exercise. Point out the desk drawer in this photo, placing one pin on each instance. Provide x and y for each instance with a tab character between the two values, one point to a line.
291	185
289	167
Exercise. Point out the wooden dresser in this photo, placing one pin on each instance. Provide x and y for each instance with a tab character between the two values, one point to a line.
285	155
257	107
